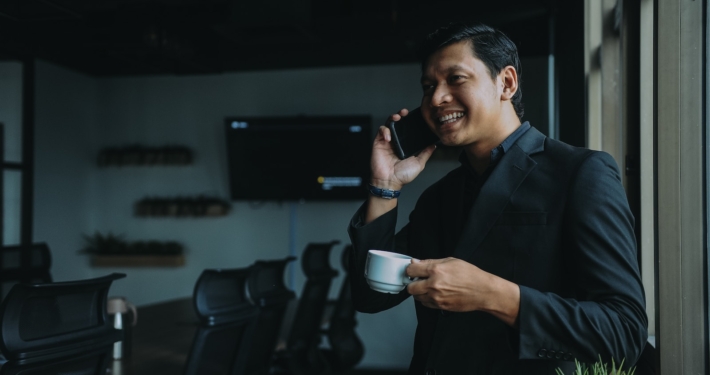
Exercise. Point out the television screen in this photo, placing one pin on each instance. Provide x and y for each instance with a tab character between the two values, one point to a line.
294	158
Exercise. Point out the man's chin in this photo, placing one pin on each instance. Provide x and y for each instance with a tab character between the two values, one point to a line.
450	142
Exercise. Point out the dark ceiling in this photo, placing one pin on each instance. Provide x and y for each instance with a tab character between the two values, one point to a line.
130	37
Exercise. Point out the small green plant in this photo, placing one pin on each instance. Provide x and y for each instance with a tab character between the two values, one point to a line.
111	244
599	368
104	244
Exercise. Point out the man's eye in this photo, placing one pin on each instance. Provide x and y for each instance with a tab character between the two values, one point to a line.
455	78
426	87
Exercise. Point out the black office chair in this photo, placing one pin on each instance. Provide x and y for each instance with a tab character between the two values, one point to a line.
227	322
57	328
302	355
346	349
267	291
11	271
91	362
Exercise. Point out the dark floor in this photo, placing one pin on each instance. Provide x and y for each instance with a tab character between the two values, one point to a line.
375	372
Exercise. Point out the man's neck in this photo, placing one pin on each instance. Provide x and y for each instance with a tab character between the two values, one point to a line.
478	164
479	153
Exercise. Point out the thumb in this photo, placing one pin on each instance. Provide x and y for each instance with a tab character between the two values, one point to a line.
425	154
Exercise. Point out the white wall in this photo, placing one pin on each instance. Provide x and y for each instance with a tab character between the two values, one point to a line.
79	115
66	134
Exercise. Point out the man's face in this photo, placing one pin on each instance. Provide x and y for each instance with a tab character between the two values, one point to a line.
461	103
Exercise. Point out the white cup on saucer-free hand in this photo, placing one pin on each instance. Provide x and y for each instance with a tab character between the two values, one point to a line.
385	271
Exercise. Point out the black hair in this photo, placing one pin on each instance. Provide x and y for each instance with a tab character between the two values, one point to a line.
489	45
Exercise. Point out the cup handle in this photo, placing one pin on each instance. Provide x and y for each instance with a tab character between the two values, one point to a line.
406	280
135	313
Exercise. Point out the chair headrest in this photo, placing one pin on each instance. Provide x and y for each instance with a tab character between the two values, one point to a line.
316	259
220	295
266	282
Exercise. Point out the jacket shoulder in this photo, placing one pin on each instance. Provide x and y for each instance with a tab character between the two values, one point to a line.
569	156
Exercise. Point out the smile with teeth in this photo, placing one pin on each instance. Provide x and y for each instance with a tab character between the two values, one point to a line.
451	117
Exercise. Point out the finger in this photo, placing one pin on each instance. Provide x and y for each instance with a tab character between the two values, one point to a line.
431	305
426	301
418	287
419	268
385	133
398	116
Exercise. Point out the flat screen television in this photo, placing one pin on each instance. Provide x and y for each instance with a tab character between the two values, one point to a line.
299	158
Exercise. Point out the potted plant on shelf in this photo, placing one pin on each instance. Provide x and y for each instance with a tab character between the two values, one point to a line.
114	251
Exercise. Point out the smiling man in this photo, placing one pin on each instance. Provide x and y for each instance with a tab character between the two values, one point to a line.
526	253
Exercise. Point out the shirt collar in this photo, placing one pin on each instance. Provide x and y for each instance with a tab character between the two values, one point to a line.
499	151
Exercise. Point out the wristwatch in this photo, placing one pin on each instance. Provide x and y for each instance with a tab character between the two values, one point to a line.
383	193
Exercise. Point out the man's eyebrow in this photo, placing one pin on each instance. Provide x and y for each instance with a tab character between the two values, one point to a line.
455	68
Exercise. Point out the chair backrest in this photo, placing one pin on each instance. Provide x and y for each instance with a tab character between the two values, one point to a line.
267	291
91	362
305	330
346	348
39	322
12	272
222	342
220	295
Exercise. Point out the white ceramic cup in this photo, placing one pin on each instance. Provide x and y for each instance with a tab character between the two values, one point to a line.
385	271
119	305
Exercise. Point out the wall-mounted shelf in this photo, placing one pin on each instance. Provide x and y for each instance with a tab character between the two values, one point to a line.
182	207
137	155
138	260
113	251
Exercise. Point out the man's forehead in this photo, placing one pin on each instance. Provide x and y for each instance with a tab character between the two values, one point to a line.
456	56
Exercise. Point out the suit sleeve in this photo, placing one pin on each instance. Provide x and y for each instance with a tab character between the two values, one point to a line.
606	316
380	235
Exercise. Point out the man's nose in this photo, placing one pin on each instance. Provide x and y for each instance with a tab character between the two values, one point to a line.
441	95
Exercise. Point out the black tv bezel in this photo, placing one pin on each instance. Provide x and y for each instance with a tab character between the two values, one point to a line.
357	195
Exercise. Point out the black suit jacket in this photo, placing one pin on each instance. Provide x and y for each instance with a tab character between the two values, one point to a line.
551	218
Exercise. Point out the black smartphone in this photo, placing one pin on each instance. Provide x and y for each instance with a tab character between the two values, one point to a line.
411	134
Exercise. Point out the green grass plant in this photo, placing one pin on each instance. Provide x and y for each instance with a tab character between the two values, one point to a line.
598	368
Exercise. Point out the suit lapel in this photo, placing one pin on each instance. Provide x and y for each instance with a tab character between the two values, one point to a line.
495	193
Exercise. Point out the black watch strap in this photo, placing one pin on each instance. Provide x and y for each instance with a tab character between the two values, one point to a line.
383	193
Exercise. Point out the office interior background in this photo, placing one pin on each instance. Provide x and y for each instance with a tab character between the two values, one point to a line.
77	77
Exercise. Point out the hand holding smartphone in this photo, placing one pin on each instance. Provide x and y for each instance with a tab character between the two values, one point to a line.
411	134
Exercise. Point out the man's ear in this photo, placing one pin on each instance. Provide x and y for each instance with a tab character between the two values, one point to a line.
509	79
